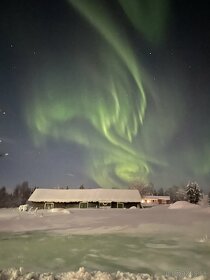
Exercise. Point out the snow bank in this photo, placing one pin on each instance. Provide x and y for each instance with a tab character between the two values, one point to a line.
82	274
133	207
183	205
60	211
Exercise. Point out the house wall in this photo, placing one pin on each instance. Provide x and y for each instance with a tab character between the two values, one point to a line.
93	204
66	205
131	204
41	205
156	201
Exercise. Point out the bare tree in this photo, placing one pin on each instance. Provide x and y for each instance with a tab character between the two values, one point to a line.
176	193
160	192
143	188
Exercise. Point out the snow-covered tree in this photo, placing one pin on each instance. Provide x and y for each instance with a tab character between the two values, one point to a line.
193	192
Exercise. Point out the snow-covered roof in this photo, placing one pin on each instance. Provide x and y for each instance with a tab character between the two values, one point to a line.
87	195
155	197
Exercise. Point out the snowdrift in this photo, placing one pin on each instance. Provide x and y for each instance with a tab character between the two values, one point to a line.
82	274
183	205
60	211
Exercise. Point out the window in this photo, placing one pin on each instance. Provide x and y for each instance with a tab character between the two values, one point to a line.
120	205
48	205
83	205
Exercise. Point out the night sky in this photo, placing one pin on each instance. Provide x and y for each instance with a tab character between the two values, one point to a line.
104	93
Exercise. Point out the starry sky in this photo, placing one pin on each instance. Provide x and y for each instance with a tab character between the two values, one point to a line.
104	93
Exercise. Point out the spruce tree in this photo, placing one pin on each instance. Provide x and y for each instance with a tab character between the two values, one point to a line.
193	192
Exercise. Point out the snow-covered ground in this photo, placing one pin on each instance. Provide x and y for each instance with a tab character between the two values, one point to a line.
82	274
162	237
189	219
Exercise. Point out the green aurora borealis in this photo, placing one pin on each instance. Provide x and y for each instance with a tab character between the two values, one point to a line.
105	109
102	97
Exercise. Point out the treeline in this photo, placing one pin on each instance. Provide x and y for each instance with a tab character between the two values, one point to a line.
22	192
19	196
176	193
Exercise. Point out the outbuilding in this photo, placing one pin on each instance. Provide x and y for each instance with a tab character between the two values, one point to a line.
152	200
85	198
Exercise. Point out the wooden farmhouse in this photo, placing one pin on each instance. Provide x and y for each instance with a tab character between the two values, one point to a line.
85	198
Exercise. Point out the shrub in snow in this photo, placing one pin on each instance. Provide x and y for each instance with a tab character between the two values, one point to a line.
193	192
23	207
